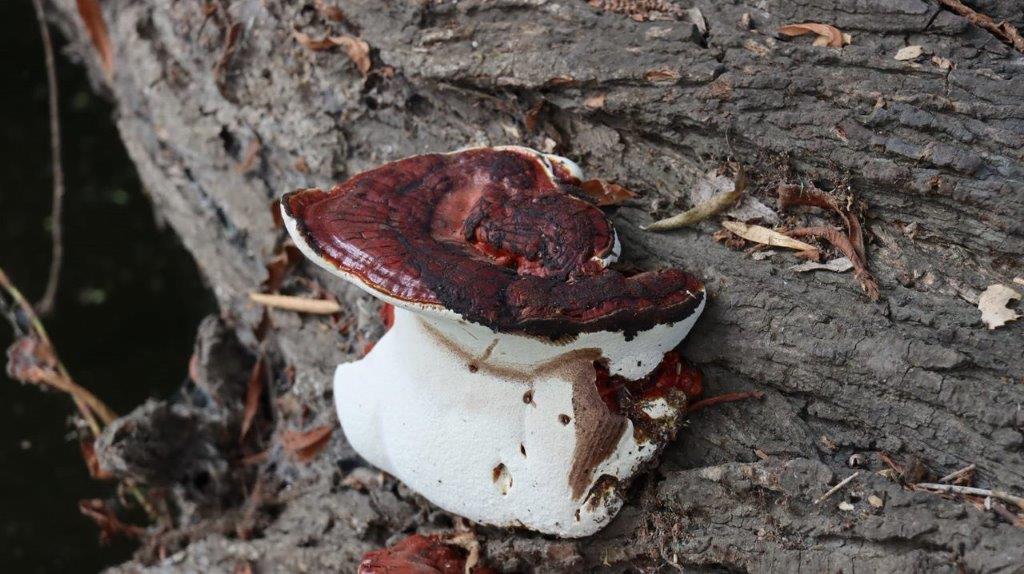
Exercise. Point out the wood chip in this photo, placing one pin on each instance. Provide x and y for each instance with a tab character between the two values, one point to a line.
765	236
605	193
875	501
298	304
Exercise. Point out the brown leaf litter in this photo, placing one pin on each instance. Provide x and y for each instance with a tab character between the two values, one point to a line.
92	17
356	49
827	35
305	445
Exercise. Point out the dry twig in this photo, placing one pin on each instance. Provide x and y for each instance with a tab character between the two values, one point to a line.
970	490
298	304
46	368
956	474
56	166
837	487
1003	30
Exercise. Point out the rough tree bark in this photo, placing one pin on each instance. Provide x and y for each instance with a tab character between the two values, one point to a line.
219	127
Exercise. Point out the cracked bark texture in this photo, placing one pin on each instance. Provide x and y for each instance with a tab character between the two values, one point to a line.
915	375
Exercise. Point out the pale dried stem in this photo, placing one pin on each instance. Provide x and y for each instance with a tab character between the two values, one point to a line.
56	165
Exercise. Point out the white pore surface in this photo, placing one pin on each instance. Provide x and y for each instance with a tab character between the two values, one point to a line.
413	409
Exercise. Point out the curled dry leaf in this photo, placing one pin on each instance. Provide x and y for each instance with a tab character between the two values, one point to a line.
765	236
253	391
92	16
729	191
356	49
842	242
993	305
661	75
305	445
110	525
827	35
605	193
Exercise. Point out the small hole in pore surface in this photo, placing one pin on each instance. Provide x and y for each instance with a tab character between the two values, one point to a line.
564	419
528	397
522	449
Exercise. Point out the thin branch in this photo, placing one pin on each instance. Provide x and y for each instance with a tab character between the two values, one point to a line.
956	474
298	304
89	406
57	166
1003	30
972	490
837	487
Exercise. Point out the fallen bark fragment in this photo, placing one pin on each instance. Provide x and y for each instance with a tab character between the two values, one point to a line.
765	236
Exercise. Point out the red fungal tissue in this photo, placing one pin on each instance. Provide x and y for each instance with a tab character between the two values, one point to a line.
498	235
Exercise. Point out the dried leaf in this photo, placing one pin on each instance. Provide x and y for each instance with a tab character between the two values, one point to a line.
88	448
839	265
110	525
661	75
357	50
328	11
729	189
92	17
532	117
253	391
305	445
909	53
605	193
833	38
765	236
307	42
993	305
363	479
842	242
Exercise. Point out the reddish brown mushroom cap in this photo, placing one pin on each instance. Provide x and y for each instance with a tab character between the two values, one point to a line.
500	236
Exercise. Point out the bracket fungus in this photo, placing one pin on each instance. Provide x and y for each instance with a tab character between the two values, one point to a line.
524	381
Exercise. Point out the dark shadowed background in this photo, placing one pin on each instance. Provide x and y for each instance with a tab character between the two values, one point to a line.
129	301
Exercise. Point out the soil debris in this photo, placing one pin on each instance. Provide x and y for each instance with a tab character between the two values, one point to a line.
605	193
722	188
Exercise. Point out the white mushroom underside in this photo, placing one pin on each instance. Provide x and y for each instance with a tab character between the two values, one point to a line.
450	420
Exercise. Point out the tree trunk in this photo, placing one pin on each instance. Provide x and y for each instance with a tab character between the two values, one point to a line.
224	109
